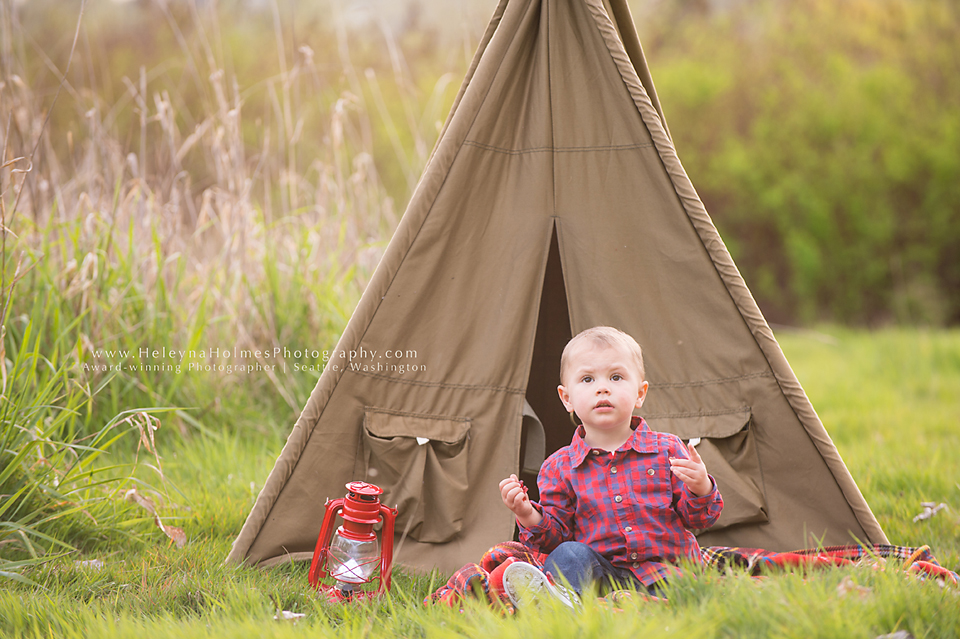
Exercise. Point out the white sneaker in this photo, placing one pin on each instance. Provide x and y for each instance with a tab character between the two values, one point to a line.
525	585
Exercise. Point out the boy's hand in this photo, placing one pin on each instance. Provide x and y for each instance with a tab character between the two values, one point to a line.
692	472
514	495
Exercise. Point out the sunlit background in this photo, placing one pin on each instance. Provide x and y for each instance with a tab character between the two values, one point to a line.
822	136
199	174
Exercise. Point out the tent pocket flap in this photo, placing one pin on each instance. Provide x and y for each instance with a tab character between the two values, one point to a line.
420	462
729	450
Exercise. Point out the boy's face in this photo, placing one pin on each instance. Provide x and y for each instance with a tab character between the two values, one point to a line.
602	386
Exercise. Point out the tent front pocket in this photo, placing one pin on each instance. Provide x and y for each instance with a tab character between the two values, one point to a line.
420	462
729	451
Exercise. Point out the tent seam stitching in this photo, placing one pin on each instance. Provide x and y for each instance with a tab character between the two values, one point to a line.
719	380
404	413
553	125
706	413
411	382
562	149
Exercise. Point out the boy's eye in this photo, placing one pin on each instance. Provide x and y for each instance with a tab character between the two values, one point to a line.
616	377
587	379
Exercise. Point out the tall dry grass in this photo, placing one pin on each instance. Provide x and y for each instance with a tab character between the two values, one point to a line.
210	198
187	197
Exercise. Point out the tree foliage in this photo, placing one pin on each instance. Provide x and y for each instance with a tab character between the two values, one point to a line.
823	138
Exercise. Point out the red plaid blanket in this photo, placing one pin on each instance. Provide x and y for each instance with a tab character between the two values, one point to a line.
756	560
484	579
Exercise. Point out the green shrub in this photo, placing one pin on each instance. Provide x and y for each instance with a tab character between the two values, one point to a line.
822	137
59	491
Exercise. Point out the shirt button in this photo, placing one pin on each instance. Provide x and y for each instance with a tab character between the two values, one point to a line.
595	451
633	555
636	565
618	499
628	529
650	471
613	470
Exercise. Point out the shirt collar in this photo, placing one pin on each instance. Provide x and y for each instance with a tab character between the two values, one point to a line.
640	441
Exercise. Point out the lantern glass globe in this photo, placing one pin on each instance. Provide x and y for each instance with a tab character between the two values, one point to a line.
351	561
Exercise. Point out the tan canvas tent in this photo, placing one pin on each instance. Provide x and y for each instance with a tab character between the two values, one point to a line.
553	201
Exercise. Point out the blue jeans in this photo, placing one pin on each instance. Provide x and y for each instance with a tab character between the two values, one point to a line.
582	567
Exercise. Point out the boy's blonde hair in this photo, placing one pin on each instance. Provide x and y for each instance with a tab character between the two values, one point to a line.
605	336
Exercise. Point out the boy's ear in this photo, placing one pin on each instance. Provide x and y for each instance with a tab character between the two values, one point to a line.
642	394
565	398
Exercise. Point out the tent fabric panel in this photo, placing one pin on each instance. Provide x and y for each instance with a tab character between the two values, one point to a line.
492	327
737	289
315	476
668	400
716	424
471	70
497	228
590	103
729	450
532	169
332	457
645	271
803	495
686	321
517	114
473	94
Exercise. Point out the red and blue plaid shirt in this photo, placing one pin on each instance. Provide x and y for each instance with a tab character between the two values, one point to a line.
627	505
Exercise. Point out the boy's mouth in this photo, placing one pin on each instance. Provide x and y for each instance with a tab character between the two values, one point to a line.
603	404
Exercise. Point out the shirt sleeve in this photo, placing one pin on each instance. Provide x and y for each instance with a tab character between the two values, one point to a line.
558	504
696	511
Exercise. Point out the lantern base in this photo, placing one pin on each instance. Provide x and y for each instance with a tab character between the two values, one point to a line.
336	595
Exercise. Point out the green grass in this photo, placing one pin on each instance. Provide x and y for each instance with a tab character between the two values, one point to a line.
190	593
210	192
61	490
889	399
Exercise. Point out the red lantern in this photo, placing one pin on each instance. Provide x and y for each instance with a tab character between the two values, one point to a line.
351	556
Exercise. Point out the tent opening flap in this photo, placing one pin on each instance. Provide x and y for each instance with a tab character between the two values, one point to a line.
553	333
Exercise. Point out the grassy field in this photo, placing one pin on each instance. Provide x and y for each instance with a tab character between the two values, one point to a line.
204	182
890	399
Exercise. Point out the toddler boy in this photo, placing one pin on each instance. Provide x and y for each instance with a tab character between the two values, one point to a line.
616	505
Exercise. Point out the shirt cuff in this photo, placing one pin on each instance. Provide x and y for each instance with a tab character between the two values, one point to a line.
539	527
703	498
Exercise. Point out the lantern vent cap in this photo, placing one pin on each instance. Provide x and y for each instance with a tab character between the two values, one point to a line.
364	489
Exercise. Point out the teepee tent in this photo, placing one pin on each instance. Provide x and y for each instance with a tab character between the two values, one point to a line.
553	201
